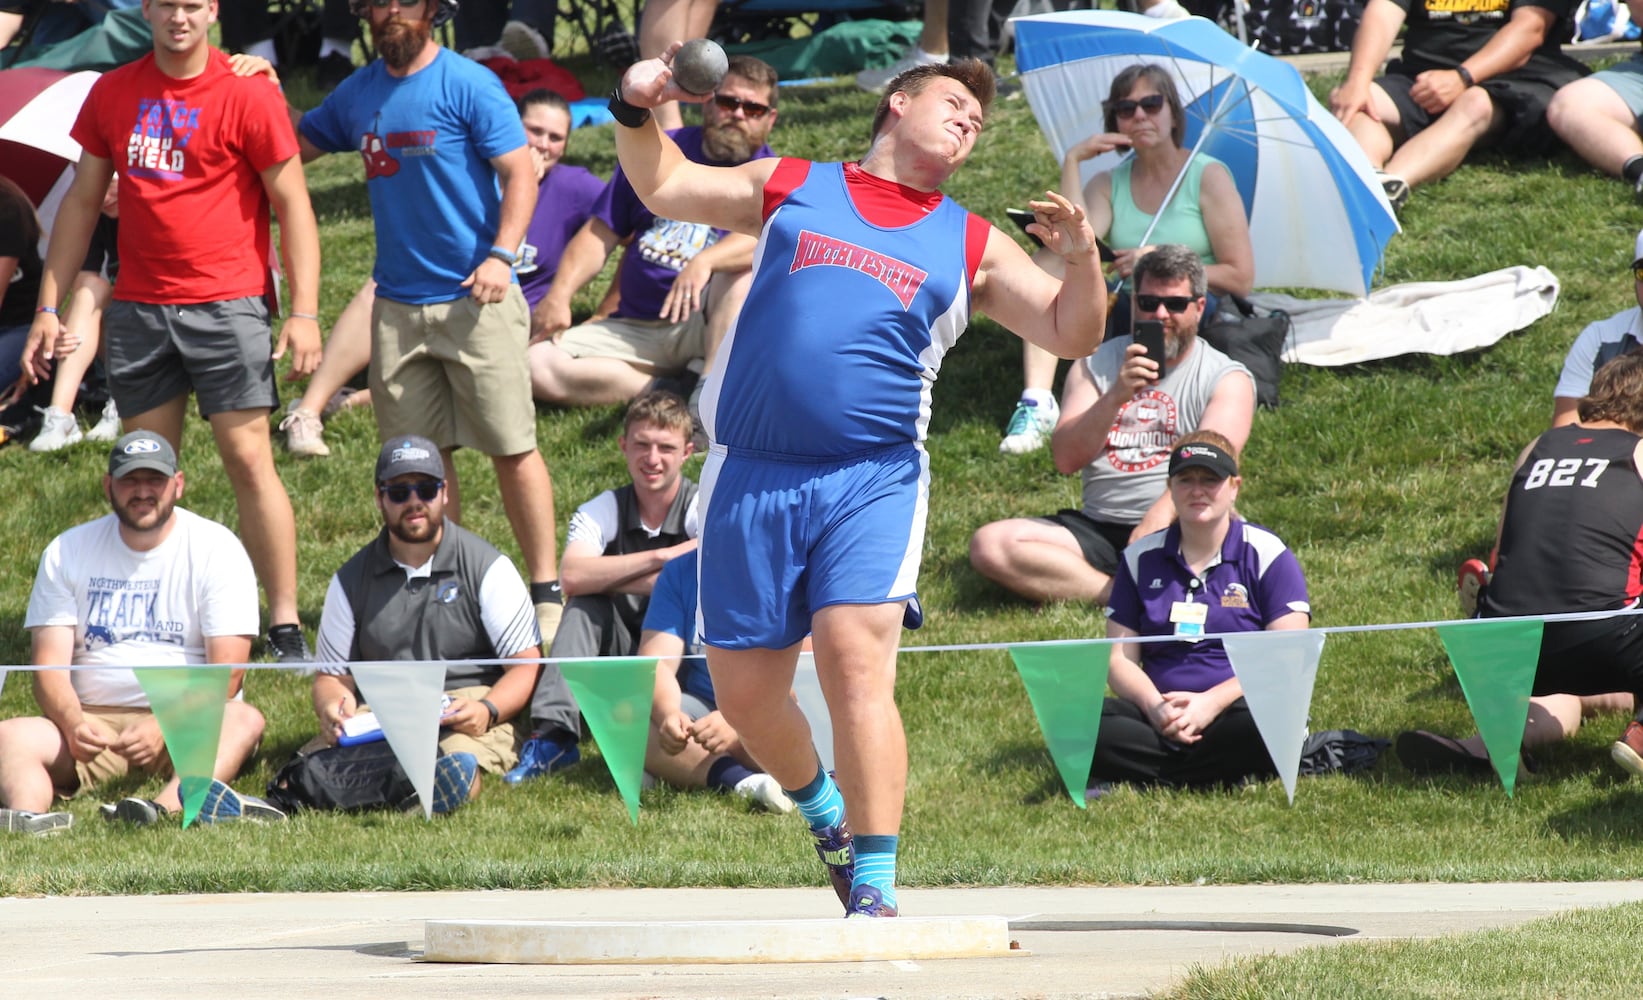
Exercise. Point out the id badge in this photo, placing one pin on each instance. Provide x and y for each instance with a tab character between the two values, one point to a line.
1188	618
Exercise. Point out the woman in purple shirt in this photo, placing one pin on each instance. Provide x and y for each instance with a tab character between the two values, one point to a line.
1180	716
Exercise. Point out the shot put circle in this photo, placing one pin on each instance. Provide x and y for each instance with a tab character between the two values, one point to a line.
699	65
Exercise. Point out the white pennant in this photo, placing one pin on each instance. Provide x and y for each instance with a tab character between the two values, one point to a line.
807	688
1276	671
408	700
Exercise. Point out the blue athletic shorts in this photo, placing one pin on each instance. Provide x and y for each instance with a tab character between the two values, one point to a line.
782	538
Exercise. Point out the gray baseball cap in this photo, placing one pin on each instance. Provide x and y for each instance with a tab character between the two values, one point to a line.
142	450
405	454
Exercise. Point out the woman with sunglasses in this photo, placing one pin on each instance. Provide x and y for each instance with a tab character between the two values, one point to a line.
1143	114
1179	717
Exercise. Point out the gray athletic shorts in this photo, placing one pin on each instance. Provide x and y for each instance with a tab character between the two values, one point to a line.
1626	79
221	350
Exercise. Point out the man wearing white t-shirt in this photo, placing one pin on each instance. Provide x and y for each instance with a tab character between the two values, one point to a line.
149	584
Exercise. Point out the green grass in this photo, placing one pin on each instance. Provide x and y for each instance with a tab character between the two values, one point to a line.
1381	477
1571	954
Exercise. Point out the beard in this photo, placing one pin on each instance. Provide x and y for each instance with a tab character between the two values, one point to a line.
400	41
426	531
725	143
151	521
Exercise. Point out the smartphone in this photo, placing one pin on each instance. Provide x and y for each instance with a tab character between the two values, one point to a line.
1149	333
1024	218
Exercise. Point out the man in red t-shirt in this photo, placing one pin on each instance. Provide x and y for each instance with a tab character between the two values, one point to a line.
201	154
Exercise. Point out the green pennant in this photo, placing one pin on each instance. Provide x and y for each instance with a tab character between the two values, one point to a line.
614	694
188	704
1066	684
1495	663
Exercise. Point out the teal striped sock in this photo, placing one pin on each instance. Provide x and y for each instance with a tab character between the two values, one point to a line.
876	864
819	802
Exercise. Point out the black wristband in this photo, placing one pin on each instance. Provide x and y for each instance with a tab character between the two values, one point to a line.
1466	76
492	709
626	115
547	592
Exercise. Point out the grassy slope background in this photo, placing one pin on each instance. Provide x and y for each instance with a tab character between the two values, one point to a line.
1381	477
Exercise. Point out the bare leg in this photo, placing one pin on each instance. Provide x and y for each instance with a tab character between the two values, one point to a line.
1619	703
527	497
562	380
1552	717
1038	560
665	22
751	686
267	525
932	35
10	25
34	763
242	728
726	293
856	664
453	489
1438	149
1377	138
84	319
1596	123
165	420
347	351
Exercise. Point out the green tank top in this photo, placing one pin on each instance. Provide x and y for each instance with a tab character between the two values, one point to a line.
1183	221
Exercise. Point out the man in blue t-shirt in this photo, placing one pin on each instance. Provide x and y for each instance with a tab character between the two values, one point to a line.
681	283
452	187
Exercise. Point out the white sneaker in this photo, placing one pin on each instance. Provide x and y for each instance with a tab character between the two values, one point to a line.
57	430
304	433
876	80
1030	426
765	792
107	427
1167	10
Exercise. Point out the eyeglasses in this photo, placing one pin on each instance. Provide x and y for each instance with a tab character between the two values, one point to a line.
753	110
1151	104
1176	304
425	490
403	4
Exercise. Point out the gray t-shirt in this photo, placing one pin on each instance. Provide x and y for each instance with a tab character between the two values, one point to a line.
1127	476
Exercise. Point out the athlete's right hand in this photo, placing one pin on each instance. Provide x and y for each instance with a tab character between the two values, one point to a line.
649	83
41	347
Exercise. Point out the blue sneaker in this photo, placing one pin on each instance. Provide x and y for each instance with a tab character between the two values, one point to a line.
224	805
833	844
540	757
866	901
454	777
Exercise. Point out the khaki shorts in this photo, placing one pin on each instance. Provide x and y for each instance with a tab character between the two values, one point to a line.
108	765
454	372
497	751
648	344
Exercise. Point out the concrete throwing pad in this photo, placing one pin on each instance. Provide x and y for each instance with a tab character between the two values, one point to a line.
716	942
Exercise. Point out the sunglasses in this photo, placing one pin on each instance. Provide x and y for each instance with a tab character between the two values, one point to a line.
425	490
403	4
1151	104
1176	304
753	110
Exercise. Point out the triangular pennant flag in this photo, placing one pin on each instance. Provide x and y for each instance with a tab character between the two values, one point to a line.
188	705
807	688
1496	662
407	699
614	694
1276	671
1066	684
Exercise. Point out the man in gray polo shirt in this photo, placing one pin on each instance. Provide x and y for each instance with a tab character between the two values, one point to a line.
426	589
1118	422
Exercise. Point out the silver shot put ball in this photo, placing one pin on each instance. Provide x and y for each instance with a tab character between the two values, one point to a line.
699	65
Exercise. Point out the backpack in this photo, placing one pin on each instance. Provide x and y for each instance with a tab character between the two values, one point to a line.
1257	342
1291	27
357	778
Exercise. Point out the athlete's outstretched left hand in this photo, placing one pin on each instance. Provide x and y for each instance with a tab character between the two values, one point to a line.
1061	225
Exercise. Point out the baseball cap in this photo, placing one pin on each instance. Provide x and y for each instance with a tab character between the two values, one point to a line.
142	450
1202	455
1637	250
407	454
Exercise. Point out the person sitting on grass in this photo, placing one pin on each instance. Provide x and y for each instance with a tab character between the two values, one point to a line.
425	589
1568	542
149	584
1179	717
691	745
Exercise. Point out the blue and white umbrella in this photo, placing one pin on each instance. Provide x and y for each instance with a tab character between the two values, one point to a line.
1317	215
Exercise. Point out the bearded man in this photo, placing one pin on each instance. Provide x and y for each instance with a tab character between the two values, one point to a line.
681	283
452	187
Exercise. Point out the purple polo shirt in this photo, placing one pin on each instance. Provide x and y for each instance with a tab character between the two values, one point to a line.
1256	582
563	203
662	247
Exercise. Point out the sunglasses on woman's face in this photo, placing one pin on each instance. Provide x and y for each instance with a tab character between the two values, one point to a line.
753	110
425	490
1175	304
1151	104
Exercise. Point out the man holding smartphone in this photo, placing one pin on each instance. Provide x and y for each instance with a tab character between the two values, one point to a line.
1121	410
